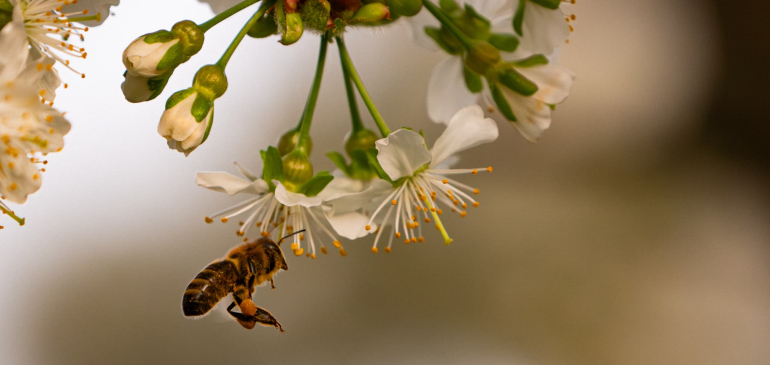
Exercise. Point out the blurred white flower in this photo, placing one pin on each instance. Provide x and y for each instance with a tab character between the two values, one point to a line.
276	213
28	128
48	26
420	186
218	6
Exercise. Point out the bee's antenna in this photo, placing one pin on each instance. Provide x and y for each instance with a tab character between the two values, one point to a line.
289	235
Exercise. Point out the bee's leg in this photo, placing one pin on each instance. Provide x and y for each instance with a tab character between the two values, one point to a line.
266	319
243	298
272	283
248	322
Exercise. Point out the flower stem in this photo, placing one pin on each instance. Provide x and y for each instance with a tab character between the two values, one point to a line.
466	41
307	117
10	213
234	45
347	63
355	115
226	14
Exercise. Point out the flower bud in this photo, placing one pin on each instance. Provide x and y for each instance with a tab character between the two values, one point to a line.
289	140
370	13
264	27
187	120
292	29
211	80
156	53
138	89
297	169
482	57
356	146
362	140
405	7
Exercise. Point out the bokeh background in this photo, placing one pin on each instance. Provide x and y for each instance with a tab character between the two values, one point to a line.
635	232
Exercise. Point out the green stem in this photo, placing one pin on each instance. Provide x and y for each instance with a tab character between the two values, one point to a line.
307	117
234	45
466	41
226	14
347	63
355	115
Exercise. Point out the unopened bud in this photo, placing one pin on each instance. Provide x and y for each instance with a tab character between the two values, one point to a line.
315	14
482	57
211	79
292	29
156	53
405	7
362	140
264	27
289	140
297	169
370	13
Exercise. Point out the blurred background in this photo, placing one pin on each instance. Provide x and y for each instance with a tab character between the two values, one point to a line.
635	232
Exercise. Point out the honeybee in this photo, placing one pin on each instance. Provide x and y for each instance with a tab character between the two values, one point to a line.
240	271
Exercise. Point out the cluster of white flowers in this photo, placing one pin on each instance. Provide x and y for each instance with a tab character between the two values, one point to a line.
35	40
502	56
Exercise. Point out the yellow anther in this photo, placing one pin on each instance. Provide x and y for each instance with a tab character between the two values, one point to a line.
475	171
224	219
398	234
324	251
388	250
465	206
414	239
394	202
295	246
463	214
374	250
301	237
312	256
337	244
35	177
239	233
343	253
440	212
299	252
264	233
489	169
476	191
209	220
427	220
421	239
406	241
445	181
259	224
368	227
475	204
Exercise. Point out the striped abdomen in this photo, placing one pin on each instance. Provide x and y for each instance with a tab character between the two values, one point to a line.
208	288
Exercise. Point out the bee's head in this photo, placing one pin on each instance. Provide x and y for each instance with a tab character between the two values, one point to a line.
273	251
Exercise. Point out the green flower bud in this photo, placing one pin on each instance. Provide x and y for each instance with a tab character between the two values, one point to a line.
292	29
371	13
289	140
362	140
405	7
297	169
482	57
265	27
315	14
211	81
190	36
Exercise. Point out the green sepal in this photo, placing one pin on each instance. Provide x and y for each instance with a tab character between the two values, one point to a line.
272	166
405	7
161	36
472	80
534	60
360	167
173	57
6	5
550	4
316	184
371	154
473	24
177	97
265	27
518	18
448	6
293	29
208	128
370	13
515	81
158	83
501	102
504	42
315	14
339	160
444	40
201	107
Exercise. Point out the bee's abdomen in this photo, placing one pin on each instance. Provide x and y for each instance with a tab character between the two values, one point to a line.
208	288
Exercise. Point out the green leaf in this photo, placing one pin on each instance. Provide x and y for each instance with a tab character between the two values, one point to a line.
501	102
339	161
504	42
273	167
316	184
518	19
550	4
515	81
201	107
208	128
472	80
535	60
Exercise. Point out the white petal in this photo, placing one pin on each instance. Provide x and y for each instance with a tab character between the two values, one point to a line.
101	7
178	122
142	58
447	91
402	153
377	191
196	138
135	88
13	42
553	82
229	184
45	81
489	9
290	199
350	225
544	30
467	129
21	180
342	186
533	115
248	174
218	6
